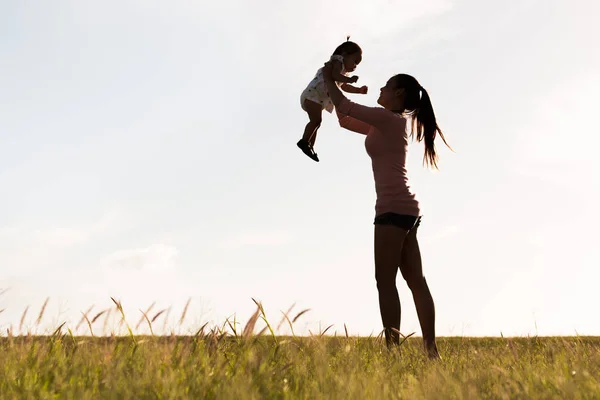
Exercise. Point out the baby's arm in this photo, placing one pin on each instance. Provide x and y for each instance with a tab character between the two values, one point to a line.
336	73
346	87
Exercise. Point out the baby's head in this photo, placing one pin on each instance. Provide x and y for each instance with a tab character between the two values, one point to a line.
351	52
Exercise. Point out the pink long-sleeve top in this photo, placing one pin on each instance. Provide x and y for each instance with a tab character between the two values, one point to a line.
386	143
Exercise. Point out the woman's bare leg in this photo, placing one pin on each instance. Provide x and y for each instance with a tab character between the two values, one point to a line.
412	271
388	252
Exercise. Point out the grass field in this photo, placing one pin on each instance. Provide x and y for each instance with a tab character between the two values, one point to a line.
231	363
223	367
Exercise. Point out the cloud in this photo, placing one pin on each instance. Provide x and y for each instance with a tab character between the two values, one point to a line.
61	235
156	257
257	238
559	129
558	143
30	245
305	31
443	233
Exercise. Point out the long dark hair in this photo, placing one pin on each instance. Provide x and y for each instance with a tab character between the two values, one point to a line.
417	105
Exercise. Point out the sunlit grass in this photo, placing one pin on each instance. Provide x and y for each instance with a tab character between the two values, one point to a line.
251	360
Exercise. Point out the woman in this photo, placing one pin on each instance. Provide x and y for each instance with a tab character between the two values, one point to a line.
397	212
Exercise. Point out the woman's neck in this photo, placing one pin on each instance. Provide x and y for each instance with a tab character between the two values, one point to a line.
397	108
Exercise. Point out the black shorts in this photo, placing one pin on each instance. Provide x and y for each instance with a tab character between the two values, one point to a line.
406	222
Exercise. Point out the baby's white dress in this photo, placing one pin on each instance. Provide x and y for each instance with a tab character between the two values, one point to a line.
317	90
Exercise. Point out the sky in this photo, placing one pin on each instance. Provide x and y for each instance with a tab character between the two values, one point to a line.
148	153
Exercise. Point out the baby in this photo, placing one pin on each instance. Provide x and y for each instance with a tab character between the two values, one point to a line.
315	98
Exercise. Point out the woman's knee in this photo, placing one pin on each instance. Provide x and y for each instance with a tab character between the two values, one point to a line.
415	281
385	279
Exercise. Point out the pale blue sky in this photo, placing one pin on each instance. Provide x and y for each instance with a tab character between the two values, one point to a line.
147	152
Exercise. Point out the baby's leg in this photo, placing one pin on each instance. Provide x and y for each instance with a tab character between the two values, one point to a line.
314	111
310	131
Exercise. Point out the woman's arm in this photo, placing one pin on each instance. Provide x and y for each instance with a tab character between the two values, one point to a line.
375	116
352	124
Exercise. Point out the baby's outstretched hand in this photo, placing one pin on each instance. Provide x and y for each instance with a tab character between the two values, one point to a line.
353	79
363	90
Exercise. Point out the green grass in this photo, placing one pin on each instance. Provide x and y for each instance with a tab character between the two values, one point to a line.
231	363
217	366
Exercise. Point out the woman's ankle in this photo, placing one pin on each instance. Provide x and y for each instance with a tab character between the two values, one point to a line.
431	349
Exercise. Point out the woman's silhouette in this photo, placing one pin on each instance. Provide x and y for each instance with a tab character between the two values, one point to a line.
397	211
